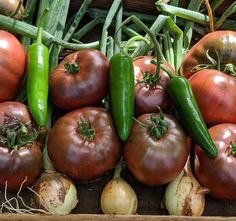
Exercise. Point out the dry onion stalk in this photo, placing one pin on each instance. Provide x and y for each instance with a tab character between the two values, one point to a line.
53	191
184	195
118	197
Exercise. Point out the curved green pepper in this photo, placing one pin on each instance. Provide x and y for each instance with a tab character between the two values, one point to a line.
121	91
181	94
37	79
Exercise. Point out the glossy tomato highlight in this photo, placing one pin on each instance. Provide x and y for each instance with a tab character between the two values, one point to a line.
12	65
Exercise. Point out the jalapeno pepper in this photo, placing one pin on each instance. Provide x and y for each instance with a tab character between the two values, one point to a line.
37	79
121	91
182	96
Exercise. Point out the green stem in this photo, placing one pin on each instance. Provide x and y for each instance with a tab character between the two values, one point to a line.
130	32
132	40
117	30
157	47
110	47
215	4
110	16
229	11
118	168
39	35
188	27
88	27
30	31
183	13
167	46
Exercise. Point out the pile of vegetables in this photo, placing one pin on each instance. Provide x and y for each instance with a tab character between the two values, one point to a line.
153	94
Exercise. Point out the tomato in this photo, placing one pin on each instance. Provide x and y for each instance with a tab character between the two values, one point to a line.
219	174
18	160
221	43
81	79
215	93
7	7
151	92
12	65
83	144
156	160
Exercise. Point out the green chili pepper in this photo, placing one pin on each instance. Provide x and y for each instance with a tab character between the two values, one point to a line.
181	94
121	90
37	79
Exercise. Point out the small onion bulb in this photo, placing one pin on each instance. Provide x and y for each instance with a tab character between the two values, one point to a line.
118	197
55	193
184	195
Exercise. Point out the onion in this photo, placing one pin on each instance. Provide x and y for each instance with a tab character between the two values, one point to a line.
53	191
12	8
118	197
184	195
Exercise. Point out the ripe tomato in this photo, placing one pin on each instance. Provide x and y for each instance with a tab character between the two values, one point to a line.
220	44
81	79
150	92
12	65
152	160
219	174
19	160
83	144
215	93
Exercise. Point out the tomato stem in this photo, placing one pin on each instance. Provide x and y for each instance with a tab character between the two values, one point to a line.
72	68
149	79
14	133
158	126
86	130
232	148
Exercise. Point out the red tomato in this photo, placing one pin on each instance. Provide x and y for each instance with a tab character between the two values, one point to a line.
81	79
12	65
150	92
215	93
156	161
18	160
83	144
218	43
219	174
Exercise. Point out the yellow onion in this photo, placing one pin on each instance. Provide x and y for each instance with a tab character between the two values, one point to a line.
13	8
118	197
55	193
184	195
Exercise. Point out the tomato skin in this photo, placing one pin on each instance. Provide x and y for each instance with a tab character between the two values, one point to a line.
215	94
16	165
86	87
222	42
218	174
152	161
148	98
12	65
80	158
